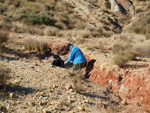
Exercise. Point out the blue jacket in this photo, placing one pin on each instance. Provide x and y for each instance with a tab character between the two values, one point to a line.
76	56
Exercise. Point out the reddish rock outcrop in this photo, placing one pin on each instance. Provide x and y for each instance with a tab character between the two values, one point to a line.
131	85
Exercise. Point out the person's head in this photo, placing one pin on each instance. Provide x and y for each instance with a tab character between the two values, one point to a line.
68	47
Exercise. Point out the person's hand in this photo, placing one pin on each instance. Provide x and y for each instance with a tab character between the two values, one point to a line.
65	63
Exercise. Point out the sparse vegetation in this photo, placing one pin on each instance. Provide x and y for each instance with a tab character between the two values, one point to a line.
22	28
85	26
86	34
3	40
77	81
115	107
37	45
4	73
141	25
5	24
49	13
130	49
32	16
141	49
122	57
97	3
78	84
51	31
122	54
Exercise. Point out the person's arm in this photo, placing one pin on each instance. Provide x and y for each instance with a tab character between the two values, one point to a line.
70	58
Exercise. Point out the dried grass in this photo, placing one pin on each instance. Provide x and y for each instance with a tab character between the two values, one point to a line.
37	45
4	73
129	48
77	81
141	25
51	31
122	57
22	28
3	40
141	49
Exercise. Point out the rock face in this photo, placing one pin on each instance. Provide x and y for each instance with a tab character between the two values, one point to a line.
132	85
122	7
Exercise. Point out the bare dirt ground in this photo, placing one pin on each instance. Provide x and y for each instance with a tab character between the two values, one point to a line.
35	86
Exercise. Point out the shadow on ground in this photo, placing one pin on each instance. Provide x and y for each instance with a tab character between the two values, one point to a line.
138	66
24	54
5	90
94	96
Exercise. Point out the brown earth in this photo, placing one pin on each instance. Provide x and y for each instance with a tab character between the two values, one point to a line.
35	85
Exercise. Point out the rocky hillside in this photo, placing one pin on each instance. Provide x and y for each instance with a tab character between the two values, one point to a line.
114	33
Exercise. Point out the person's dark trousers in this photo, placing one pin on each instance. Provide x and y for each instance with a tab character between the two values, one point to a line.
79	66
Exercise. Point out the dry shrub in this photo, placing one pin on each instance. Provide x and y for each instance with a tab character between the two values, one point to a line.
4	73
139	10
78	84
130	46
97	46
5	24
97	33
37	45
73	33
51	31
141	25
85	34
81	40
122	54
77	81
60	25
22	28
29	44
141	49
121	47
122	57
3	40
43	47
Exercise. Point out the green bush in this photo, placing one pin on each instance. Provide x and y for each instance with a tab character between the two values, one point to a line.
40	19
33	20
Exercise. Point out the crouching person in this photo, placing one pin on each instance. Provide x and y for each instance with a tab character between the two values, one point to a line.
76	57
